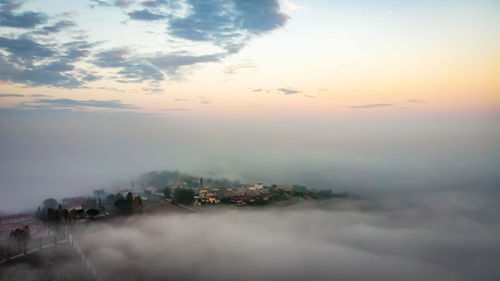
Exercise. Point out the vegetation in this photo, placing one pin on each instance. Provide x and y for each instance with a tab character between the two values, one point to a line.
50	203
92	212
167	192
184	196
79	213
20	235
124	206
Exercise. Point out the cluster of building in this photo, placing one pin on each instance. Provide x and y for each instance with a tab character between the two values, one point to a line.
237	196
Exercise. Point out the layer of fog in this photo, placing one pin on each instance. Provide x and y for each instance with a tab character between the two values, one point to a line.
336	241
61	153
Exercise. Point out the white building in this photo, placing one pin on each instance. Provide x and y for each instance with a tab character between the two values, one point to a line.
257	186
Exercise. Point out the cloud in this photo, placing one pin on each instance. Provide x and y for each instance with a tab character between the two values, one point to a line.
143	68
71	103
172	62
139	71
91	77
152	90
237	68
257	90
25	48
308	96
228	23
289	91
145	15
100	3
123	3
180	100
53	74
292	6
132	69
39	96
203	100
77	49
175	109
36	64
9	18
373	105
156	3
11	95
112	58
415	101
57	27
111	89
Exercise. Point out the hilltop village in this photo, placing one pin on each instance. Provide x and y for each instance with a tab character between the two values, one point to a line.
154	192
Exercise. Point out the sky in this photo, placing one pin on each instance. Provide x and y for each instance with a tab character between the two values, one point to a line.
240	58
364	96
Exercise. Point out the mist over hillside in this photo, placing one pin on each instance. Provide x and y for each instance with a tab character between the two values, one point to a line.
61	153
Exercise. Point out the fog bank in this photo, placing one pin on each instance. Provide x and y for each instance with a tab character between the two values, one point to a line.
336	241
50	153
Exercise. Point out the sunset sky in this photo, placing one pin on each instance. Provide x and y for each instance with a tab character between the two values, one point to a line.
200	58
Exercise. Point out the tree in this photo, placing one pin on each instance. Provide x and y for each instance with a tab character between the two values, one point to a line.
278	194
129	197
60	213
137	205
323	194
110	199
259	200
184	196
20	235
52	215
79	213
167	192
66	215
300	188
38	213
50	203
92	212
124	206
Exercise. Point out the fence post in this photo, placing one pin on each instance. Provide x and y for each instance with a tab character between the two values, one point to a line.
8	252
40	242
25	246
